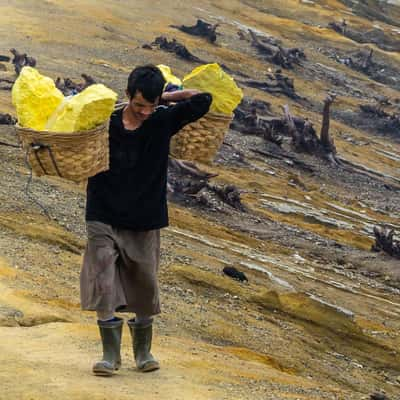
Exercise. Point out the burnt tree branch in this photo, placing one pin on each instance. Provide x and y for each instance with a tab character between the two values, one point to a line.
201	28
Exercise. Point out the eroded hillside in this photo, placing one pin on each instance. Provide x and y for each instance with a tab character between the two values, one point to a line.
319	317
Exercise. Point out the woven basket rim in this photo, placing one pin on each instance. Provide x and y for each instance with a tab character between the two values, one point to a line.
218	115
75	134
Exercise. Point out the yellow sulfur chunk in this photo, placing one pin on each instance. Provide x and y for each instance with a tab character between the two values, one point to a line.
168	76
211	78
35	98
92	107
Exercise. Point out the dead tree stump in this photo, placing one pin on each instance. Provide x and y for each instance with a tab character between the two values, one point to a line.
68	87
384	241
21	60
187	183
304	137
326	139
249	120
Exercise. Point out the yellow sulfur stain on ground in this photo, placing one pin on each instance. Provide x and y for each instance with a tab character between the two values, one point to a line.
40	229
187	372
22	309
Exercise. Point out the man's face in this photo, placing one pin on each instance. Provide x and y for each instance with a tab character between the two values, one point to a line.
140	107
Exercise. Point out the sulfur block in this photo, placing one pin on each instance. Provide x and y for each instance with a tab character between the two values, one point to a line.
168	75
86	110
211	78
35	98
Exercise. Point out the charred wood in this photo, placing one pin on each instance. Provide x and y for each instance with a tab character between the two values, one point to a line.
275	83
248	104
276	54
306	140
374	110
229	194
201	28
233	72
249	121
7	119
388	122
186	178
339	27
325	138
188	168
231	155
21	60
376	36
68	87
365	61
174	46
384	241
187	183
287	158
6	84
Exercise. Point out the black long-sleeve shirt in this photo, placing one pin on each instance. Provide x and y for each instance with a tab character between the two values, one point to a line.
132	194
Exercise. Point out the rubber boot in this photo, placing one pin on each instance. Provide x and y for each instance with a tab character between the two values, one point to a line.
110	332
142	335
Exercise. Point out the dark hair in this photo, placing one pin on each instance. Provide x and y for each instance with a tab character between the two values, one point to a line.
148	80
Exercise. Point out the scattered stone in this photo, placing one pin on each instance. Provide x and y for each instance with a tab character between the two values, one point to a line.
235	274
378	396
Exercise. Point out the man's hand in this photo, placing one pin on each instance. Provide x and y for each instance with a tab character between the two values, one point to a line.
178	95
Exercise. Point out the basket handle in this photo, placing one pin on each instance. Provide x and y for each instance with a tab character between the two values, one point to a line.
39	146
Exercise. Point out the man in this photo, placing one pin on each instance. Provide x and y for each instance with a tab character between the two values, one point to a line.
126	208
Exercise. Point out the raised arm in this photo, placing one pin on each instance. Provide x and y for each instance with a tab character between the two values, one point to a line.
193	107
178	95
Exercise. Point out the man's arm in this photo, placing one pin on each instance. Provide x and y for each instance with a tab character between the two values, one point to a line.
178	95
193	107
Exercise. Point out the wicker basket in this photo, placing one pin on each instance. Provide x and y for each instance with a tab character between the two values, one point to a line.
201	140
73	156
